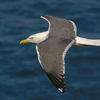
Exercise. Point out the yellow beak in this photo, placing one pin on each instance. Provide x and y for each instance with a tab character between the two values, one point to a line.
24	41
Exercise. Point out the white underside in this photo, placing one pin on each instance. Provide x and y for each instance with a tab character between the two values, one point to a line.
84	41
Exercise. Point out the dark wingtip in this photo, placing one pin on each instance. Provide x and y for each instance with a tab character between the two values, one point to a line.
58	81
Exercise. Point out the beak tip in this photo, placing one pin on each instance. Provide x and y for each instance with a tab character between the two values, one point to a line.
23	41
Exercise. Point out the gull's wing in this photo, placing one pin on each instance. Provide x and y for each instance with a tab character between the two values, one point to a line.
61	27
51	52
51	57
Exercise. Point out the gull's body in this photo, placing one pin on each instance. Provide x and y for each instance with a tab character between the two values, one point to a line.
52	45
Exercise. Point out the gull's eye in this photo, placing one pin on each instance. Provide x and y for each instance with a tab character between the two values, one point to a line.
30	37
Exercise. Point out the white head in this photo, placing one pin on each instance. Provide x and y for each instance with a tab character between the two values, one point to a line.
36	38
30	39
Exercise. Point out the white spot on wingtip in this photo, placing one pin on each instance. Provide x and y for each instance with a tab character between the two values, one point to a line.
61	90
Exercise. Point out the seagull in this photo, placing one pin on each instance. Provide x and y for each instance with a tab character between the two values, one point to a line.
52	45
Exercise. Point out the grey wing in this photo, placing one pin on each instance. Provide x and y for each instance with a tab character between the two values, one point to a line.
51	52
61	27
51	55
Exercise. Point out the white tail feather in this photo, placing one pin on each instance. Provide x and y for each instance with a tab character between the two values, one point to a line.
85	41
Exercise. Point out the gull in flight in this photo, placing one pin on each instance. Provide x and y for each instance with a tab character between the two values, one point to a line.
52	45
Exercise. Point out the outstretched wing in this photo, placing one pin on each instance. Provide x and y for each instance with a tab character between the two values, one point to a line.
60	27
51	57
51	52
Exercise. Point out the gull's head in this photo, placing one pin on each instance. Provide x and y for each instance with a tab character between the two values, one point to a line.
36	38
30	39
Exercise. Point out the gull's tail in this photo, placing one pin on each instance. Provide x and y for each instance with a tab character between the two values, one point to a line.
84	41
